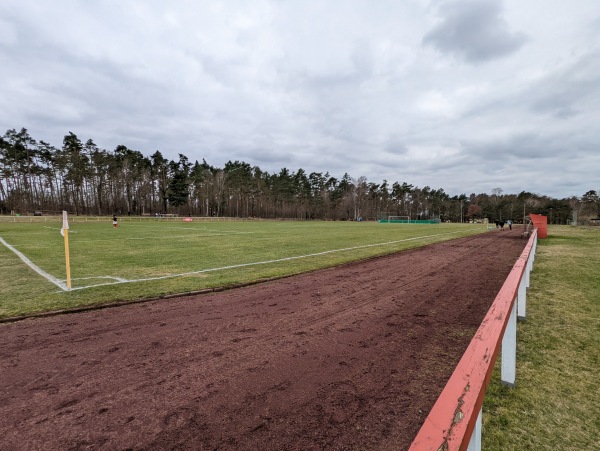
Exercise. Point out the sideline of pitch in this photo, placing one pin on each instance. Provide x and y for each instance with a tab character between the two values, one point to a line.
41	272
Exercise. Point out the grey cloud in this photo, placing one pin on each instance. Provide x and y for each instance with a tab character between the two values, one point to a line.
475	31
568	92
395	147
540	163
526	147
360	68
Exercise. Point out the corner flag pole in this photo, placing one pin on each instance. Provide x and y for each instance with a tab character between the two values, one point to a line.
65	232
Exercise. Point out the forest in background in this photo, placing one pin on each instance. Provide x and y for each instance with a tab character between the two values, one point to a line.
84	179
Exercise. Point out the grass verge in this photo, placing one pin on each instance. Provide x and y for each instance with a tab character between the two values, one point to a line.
555	404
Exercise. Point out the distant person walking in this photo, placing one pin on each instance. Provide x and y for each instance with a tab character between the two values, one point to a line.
115	223
509	222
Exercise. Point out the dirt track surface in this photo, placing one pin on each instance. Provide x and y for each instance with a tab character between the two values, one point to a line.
346	358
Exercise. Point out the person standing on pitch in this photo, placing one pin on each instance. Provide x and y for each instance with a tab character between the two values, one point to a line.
115	224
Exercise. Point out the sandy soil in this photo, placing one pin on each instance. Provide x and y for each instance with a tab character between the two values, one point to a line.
346	358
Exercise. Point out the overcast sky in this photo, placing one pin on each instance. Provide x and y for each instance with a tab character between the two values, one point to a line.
467	95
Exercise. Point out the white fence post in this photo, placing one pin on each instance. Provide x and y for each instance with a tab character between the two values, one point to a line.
531	258
532	253
475	442
509	349
522	299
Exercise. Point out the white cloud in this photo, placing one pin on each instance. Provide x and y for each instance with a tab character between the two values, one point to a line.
8	34
436	104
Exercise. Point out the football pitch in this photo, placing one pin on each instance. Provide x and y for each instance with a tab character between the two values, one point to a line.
153	258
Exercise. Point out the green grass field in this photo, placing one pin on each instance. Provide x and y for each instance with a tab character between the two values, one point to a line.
150	258
555	404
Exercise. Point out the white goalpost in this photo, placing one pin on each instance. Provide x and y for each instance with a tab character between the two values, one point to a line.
390	217
399	219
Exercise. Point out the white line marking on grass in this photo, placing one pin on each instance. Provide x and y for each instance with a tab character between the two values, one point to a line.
178	236
149	238
242	265
59	228
49	277
120	279
184	228
229	232
194	229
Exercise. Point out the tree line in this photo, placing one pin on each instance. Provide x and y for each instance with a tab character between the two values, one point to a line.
84	179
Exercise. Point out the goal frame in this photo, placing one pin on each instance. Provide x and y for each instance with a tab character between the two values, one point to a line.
400	219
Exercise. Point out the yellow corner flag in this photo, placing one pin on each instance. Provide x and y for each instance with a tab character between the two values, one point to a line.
65	232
